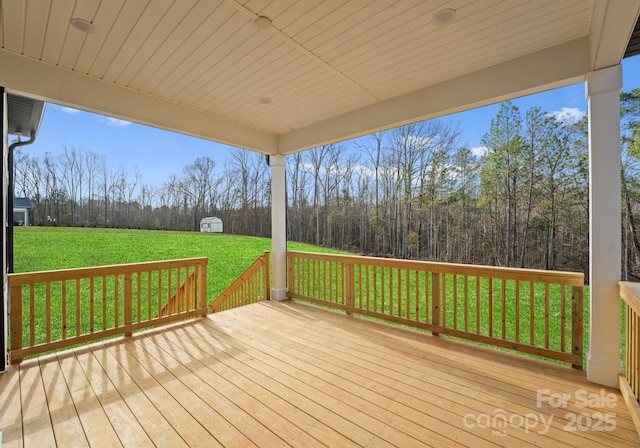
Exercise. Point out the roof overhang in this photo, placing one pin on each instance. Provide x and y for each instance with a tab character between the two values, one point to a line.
24	115
318	73
633	47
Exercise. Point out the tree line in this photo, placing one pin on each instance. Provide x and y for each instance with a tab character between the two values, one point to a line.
80	188
415	192
411	192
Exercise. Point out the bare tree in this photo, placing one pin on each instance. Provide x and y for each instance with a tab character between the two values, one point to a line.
297	181
92	167
147	198
71	169
317	160
198	187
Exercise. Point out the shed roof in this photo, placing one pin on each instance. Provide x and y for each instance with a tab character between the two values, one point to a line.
21	203
210	219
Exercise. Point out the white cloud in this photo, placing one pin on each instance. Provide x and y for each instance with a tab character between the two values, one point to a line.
332	170
364	171
569	115
116	122
69	110
418	141
479	151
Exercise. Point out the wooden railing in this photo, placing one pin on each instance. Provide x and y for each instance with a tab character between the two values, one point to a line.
55	309
181	300
253	285
630	381
531	311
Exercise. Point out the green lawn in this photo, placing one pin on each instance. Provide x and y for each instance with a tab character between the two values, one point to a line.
54	248
50	248
377	289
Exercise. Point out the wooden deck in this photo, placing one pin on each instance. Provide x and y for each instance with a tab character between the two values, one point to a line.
286	374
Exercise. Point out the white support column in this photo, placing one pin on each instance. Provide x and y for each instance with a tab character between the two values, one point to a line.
278	227
603	96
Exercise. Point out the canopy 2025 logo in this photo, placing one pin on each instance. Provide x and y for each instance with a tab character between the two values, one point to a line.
588	413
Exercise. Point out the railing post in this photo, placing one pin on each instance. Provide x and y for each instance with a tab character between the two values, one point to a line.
435	300
128	300
202	288
632	347
267	275
577	329
629	382
15	321
631	335
290	275
349	285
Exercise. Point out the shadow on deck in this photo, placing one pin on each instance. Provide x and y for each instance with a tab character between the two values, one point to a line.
278	374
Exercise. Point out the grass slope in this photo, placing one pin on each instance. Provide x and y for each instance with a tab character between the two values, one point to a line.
50	248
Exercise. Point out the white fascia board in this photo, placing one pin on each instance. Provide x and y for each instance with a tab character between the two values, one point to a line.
612	24
554	67
49	83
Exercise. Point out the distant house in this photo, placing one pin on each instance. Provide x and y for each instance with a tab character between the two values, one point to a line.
22	215
211	224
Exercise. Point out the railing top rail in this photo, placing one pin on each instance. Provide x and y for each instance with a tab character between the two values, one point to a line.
630	293
536	275
261	261
26	278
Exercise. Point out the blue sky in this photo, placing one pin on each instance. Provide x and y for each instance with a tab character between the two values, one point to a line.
157	154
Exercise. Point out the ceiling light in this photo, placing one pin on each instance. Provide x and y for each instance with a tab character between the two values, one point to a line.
443	16
83	25
262	22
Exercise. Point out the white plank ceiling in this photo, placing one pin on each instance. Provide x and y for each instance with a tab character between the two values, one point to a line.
318	62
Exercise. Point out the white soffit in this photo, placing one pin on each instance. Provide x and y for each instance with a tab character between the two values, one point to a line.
315	72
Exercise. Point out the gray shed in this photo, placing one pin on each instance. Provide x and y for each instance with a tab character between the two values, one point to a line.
22	212
211	224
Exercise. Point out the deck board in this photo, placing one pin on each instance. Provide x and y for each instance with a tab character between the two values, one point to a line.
36	418
445	382
324	376
96	424
287	374
212	392
64	418
280	408
204	413
122	411
10	409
